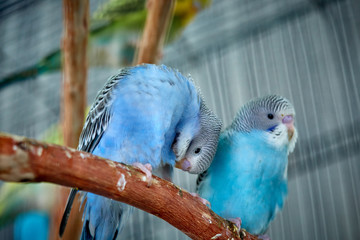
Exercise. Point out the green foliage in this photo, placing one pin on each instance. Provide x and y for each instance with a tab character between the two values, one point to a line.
54	135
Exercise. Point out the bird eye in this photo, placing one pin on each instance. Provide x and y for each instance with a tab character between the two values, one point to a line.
197	150
270	116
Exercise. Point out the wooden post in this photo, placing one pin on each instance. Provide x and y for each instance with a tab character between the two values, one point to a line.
156	25
74	49
74	46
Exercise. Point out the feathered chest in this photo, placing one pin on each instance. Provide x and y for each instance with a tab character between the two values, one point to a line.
247	175
250	157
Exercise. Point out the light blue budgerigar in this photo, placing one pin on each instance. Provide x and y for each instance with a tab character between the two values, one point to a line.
148	116
248	176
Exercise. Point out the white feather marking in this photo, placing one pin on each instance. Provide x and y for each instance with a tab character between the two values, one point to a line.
279	137
293	141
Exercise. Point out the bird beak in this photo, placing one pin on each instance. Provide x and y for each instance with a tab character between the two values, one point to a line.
183	164
288	120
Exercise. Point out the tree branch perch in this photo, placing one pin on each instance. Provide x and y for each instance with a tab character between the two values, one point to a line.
27	160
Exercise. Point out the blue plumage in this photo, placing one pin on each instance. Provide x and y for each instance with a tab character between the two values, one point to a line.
150	115
248	176
148	106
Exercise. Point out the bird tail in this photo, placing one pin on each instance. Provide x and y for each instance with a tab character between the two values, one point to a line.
85	234
103	218
67	211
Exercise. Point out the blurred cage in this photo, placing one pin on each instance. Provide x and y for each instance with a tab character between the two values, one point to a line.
305	50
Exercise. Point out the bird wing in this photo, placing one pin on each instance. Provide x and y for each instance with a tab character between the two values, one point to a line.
99	115
95	124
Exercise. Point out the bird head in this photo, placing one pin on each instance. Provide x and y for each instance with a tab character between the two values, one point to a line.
202	147
274	116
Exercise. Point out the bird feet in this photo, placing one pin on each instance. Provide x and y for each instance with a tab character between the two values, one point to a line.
202	200
147	170
236	221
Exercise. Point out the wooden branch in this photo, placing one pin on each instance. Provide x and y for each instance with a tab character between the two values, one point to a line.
156	25
74	46
27	160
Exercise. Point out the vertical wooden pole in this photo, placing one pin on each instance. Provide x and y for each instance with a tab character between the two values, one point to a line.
74	50
156	25
74	44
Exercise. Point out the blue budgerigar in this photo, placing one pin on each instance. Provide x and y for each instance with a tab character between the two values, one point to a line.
248	176
149	116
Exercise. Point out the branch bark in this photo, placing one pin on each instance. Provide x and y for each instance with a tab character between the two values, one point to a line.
74	46
156	25
27	160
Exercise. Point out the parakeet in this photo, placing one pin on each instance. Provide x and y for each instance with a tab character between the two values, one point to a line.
248	176
150	115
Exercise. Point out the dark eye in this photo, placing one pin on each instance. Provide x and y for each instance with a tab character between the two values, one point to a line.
270	116
197	150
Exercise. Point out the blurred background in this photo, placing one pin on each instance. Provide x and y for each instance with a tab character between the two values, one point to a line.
305	50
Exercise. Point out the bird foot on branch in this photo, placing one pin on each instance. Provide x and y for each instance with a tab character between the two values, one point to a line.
146	169
237	222
202	200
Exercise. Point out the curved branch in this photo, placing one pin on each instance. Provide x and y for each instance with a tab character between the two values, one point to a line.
27	160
